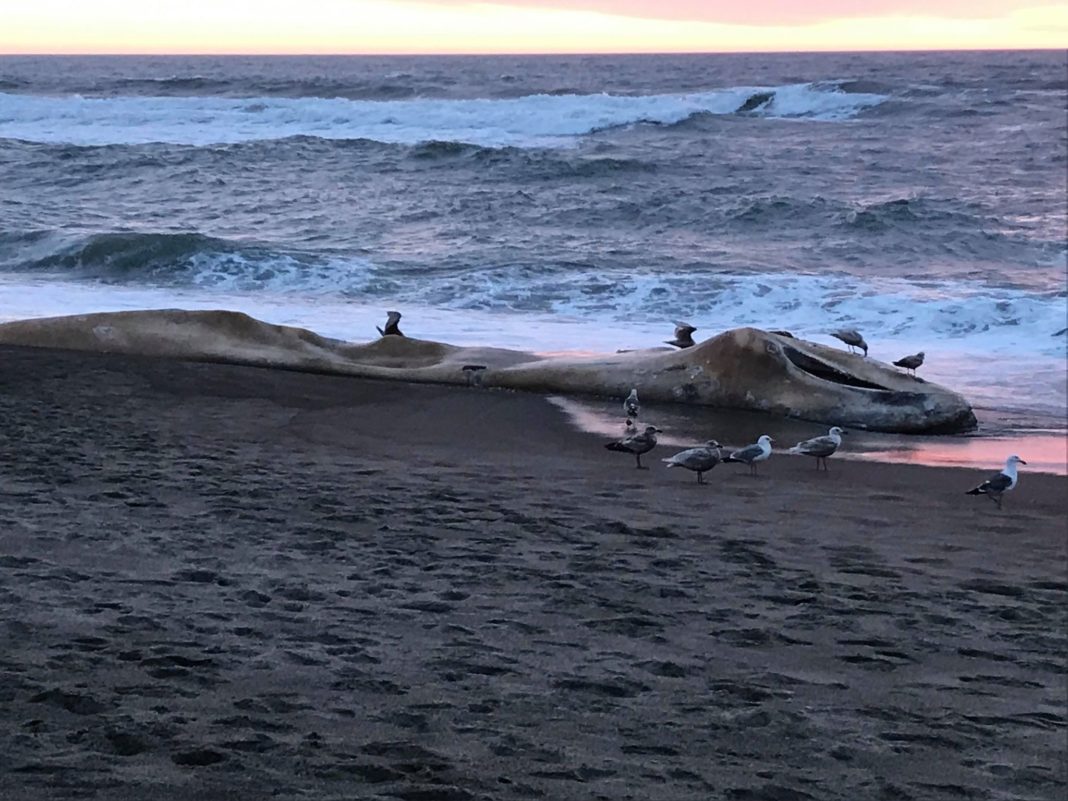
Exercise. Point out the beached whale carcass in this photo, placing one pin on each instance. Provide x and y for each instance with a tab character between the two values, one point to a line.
744	368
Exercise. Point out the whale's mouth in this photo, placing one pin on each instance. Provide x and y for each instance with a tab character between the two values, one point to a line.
827	372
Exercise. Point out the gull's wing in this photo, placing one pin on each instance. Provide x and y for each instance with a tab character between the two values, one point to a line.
817	446
747	454
996	483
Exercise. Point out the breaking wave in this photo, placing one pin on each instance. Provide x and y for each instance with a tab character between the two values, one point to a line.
543	120
805	303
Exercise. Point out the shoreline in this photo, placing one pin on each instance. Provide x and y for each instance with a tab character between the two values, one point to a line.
1045	450
230	581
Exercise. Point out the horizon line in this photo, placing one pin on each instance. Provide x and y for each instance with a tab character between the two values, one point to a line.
458	53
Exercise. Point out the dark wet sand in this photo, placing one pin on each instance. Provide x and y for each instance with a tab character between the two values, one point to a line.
230	583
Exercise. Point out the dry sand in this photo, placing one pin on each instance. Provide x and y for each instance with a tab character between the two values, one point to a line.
224	582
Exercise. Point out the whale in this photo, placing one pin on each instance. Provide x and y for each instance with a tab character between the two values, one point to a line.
741	368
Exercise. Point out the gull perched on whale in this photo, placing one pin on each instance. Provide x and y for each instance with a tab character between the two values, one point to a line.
631	407
852	338
820	447
999	483
699	460
910	362
683	336
392	328
751	454
637	444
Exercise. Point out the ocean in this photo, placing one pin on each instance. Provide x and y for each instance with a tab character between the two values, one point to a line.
562	203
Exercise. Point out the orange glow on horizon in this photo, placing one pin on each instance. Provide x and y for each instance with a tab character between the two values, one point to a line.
245	27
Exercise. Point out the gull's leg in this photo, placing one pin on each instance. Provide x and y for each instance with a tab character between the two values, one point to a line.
699	479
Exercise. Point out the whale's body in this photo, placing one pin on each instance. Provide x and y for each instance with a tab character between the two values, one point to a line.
743	368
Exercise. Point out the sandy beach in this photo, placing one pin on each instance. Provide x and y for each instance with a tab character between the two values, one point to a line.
231	582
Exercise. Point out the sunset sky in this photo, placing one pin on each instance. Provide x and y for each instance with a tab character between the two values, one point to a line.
524	26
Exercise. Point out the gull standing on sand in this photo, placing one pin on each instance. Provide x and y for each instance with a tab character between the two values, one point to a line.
852	338
631	407
637	444
751	454
999	483
910	362
392	328
820	447
699	460
683	336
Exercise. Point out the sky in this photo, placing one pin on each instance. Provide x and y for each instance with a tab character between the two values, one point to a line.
525	26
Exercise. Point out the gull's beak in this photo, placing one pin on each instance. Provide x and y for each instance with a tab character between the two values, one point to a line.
1021	461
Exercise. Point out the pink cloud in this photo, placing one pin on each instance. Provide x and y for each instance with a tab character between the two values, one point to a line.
770	12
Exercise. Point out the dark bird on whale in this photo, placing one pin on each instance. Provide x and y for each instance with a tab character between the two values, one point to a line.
852	338
392	328
910	362
683	336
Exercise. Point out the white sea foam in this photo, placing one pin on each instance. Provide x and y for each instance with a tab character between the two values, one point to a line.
532	121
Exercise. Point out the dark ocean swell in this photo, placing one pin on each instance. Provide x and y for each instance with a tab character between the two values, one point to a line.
166	259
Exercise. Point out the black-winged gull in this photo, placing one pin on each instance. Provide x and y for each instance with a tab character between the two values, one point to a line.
852	338
820	447
699	460
637	444
999	483
751	454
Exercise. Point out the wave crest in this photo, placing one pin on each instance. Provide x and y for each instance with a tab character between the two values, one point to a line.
531	121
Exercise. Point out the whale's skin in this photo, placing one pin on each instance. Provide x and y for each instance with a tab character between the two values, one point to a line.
743	368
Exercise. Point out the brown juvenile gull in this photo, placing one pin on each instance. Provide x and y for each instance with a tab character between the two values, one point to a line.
637	444
820	447
699	460
910	362
683	336
631	407
391	329
852	338
751	454
999	483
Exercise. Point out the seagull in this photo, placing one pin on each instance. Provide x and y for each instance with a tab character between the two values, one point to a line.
751	454
683	336
700	459
637	444
820	447
910	362
852	338
631	405
999	483
391	329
